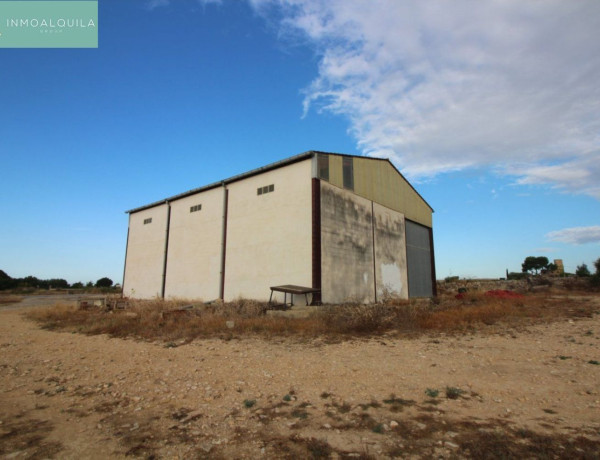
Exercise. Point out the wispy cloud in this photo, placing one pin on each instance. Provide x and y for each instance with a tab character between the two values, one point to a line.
576	235
441	86
579	175
153	4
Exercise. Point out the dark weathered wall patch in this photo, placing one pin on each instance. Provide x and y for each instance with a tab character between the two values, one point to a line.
346	246
390	253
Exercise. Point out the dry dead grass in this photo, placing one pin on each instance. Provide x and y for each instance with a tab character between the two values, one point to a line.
9	298
163	320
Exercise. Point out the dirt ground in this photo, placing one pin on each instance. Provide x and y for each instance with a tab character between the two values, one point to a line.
531	392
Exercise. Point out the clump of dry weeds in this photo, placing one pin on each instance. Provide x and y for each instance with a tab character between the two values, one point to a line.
9	298
166	320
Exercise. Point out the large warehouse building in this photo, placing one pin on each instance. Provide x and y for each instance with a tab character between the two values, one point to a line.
350	226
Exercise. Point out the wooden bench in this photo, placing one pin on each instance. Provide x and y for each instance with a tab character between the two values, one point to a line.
293	289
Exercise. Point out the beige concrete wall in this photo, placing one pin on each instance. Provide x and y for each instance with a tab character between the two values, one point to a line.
390	253
346	246
145	253
194	259
269	236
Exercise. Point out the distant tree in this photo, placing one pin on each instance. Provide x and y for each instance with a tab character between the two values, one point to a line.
31	281
104	282
551	268
6	282
58	283
77	285
595	279
534	264
582	270
89	284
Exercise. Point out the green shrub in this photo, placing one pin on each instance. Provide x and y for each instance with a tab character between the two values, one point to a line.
432	392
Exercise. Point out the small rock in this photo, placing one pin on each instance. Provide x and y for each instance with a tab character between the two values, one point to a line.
451	445
393	424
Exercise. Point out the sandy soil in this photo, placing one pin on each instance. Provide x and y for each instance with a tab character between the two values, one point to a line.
531	392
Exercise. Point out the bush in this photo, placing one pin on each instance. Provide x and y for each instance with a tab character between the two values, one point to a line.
432	392
104	282
582	270
453	393
595	279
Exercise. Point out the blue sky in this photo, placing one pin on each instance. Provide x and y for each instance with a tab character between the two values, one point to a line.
490	109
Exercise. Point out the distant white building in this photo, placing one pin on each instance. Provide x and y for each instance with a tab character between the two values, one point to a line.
348	225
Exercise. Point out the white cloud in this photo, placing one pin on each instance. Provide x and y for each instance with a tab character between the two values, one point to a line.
576	235
440	86
579	175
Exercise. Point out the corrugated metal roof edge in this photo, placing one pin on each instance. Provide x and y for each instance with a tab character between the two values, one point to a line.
269	167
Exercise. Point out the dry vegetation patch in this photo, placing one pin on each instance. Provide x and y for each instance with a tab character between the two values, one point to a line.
6	299
169	322
27	437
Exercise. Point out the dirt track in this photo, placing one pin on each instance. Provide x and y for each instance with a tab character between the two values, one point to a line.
524	393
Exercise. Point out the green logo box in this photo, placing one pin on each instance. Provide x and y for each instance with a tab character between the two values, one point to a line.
48	24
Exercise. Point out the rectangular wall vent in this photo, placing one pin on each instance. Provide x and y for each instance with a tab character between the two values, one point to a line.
265	189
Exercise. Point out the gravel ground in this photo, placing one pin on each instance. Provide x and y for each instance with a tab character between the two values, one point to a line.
505	393
35	301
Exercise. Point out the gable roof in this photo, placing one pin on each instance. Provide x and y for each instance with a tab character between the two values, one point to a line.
278	164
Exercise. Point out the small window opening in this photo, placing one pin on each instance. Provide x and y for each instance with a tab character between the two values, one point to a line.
195	208
265	189
348	173
148	221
